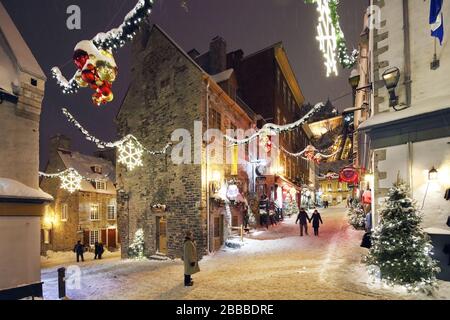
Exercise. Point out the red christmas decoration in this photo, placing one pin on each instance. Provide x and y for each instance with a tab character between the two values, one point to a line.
96	69
349	175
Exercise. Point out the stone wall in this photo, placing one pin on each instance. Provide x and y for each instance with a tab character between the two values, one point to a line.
167	93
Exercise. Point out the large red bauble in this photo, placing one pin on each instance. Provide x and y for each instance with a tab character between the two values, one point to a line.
88	76
80	57
105	90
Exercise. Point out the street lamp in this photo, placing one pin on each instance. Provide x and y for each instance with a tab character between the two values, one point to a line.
432	174
391	77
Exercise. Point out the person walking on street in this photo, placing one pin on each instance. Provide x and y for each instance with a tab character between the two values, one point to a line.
98	252
303	220
79	251
316	218
264	211
190	259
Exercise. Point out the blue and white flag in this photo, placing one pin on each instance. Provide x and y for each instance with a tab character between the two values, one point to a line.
437	20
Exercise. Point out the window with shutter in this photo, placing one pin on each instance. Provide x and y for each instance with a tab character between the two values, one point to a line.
64	212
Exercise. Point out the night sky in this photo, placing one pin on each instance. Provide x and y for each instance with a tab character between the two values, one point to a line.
250	25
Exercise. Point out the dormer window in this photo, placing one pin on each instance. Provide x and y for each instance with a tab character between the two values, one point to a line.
100	185
97	169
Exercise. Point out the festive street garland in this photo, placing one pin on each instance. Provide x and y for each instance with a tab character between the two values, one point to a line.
271	129
70	179
346	60
96	67
310	153
130	150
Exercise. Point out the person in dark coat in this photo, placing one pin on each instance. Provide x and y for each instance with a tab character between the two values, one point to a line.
98	252
79	251
316	218
190	259
303	220
264	211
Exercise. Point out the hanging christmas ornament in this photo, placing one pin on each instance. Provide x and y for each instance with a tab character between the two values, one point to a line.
310	152
266	141
349	175
71	181
130	153
96	67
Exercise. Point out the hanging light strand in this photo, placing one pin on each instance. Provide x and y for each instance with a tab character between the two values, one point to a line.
271	128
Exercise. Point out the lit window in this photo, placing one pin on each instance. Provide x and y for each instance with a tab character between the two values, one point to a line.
46	236
100	185
111	212
97	169
95	212
64	211
93	237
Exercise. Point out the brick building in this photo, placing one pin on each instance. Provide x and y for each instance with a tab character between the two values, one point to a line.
88	215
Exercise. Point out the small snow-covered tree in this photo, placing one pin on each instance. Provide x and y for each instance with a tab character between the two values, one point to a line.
400	249
356	215
136	248
290	206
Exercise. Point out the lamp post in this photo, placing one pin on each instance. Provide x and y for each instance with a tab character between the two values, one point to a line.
391	77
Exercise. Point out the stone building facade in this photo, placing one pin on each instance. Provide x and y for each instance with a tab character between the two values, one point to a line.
88	215
411	137
22	203
171	94
265	81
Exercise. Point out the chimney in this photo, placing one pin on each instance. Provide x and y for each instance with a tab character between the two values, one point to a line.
107	154
217	55
58	141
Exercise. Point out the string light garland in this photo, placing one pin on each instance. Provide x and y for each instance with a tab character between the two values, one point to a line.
96	67
70	179
271	129
310	153
129	148
331	37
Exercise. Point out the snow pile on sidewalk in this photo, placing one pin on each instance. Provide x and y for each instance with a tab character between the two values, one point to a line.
53	258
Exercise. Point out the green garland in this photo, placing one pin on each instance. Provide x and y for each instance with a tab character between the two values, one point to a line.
347	61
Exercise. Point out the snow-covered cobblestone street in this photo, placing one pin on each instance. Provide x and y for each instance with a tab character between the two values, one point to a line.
271	265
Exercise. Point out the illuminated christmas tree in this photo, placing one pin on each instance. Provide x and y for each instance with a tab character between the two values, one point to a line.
400	249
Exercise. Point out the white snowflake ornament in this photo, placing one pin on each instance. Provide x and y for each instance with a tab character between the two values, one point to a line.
71	181
130	154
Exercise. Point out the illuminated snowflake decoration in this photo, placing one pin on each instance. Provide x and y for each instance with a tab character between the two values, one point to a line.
130	154
326	35
71	181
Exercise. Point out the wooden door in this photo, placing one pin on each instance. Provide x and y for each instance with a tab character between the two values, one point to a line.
218	232
112	238
162	235
103	237
86	237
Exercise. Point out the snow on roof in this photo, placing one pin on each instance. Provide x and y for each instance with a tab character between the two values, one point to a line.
12	189
84	163
223	76
385	118
25	58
